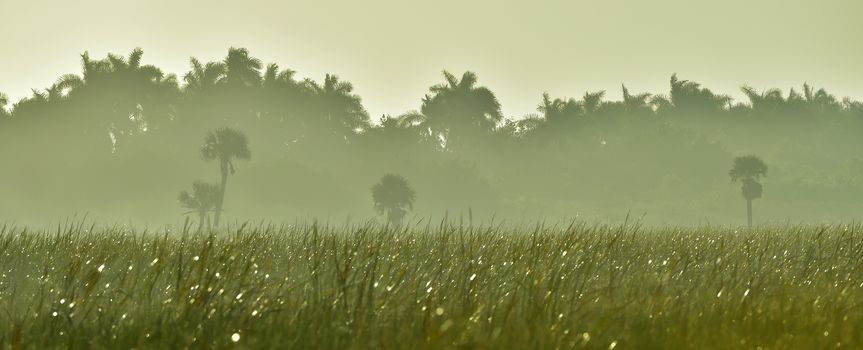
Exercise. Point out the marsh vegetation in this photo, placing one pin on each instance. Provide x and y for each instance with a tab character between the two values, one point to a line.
432	285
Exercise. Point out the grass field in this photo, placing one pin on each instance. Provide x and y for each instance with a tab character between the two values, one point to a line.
454	286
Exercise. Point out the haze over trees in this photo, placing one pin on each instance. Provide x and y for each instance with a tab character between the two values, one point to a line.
117	140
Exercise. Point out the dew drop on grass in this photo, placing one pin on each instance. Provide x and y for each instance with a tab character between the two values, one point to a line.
101	267
472	277
235	337
439	311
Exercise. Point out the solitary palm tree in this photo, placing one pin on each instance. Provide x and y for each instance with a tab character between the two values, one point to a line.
394	197
749	169
224	145
202	200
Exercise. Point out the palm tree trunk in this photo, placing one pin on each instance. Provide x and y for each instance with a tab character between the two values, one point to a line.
218	214
749	212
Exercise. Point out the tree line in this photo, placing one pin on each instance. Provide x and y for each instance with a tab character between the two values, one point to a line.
121	130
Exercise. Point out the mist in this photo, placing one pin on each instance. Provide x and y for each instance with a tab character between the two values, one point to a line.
121	139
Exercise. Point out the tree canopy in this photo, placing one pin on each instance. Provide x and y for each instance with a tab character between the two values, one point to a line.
119	137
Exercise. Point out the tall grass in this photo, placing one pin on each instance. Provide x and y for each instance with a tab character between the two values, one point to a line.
441	285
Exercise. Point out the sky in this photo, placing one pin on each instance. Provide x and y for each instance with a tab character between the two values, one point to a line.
393	50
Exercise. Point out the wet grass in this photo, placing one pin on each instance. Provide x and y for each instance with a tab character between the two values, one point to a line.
433	286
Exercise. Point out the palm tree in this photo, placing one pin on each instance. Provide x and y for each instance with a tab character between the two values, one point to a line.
242	69
638	103
203	77
41	103
820	101
394	197
342	110
769	101
224	145
557	121
592	101
558	110
689	96
459	106
118	96
202	200
749	169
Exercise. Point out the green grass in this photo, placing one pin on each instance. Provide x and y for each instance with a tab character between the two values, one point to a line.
433	286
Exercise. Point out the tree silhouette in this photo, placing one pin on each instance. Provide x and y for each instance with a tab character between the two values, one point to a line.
820	101
558	120
342	110
224	145
748	170
242	70
126	119
769	102
203	77
635	104
689	97
203	198
459	108
118	96
592	101
394	197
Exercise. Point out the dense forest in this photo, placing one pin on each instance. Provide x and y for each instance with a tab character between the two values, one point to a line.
120	139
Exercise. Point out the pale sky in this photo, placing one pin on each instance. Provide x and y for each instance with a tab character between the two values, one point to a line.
393	50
